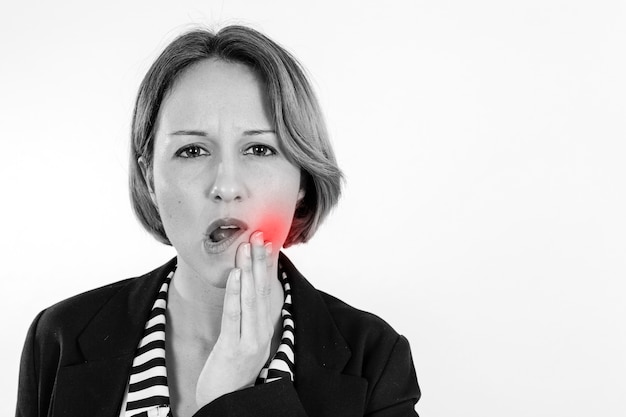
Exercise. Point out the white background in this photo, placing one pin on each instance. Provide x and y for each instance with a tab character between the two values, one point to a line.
484	148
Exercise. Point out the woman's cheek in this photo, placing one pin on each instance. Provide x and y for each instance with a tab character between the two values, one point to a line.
275	226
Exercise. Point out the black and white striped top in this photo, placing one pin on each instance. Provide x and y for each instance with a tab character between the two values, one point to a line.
148	394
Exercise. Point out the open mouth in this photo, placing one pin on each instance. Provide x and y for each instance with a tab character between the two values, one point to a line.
222	232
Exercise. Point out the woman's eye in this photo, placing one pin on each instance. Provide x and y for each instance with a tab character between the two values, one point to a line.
259	150
192	151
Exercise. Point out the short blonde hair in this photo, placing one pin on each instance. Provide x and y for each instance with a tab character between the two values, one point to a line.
295	110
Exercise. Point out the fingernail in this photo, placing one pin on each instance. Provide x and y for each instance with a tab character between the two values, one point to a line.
257	238
268	248
237	274
246	249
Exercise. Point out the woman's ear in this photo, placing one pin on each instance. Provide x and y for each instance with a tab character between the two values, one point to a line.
304	181
301	195
146	171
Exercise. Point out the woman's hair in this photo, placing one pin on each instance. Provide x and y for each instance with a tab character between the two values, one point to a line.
294	108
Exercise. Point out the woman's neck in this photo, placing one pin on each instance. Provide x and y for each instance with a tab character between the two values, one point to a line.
194	306
195	303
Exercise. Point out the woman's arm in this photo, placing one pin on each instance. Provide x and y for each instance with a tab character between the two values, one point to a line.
28	399
276	399
396	392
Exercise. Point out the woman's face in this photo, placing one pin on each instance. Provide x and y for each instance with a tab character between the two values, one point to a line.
219	172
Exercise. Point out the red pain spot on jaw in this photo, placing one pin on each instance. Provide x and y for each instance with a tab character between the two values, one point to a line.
271	226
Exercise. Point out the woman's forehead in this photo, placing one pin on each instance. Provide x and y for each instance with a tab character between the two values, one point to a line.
213	92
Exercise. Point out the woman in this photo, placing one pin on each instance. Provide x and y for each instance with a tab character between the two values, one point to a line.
230	162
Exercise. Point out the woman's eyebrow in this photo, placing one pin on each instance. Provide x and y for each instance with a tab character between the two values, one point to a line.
255	132
252	132
189	133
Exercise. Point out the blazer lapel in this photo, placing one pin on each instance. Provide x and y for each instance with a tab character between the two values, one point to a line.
321	354
108	343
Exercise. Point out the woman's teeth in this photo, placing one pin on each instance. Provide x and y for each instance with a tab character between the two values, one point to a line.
223	232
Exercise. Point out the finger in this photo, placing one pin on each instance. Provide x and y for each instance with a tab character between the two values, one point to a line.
231	315
269	251
260	255
249	314
259	265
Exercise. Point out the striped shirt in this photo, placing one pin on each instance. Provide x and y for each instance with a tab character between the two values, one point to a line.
147	394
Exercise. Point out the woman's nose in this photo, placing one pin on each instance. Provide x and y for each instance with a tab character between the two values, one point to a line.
228	185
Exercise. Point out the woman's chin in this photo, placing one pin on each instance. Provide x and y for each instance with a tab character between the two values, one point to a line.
212	269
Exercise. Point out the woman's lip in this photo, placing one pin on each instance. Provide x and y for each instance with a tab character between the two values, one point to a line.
226	221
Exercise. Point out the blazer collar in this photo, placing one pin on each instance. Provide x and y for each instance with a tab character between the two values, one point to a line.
321	353
318	341
108	344
118	327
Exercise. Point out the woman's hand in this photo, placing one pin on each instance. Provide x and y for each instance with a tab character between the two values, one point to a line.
243	345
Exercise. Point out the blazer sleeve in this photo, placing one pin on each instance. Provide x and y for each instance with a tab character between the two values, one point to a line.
28	399
276	399
396	391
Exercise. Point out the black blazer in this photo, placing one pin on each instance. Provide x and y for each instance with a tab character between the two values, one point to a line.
78	353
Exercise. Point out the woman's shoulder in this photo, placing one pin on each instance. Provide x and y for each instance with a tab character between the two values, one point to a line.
67	318
357	324
72	313
79	304
377	352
